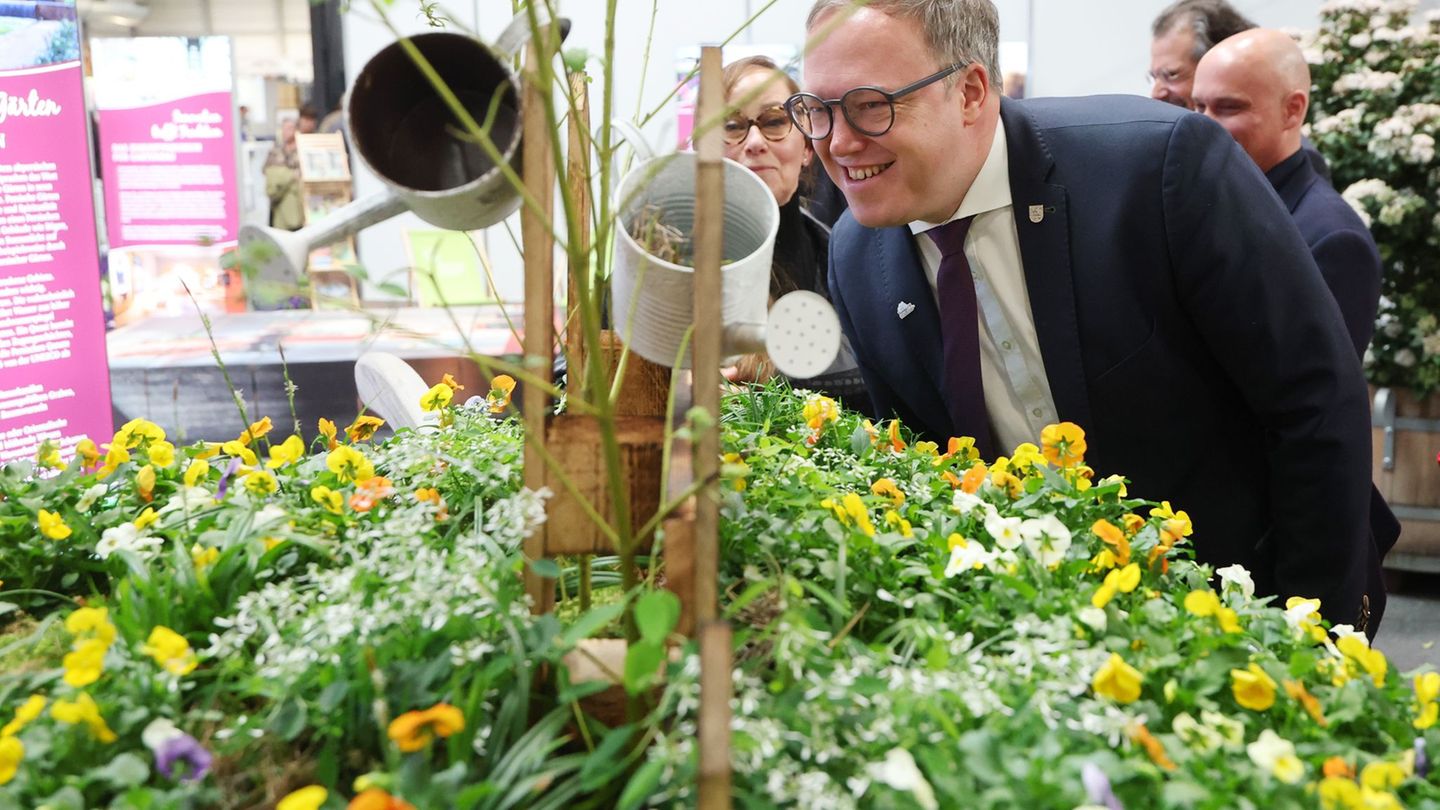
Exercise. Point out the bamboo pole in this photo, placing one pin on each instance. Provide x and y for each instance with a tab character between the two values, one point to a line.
538	244
709	242
577	181
715	637
714	722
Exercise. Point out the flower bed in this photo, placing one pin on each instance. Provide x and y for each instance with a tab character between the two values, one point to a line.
345	624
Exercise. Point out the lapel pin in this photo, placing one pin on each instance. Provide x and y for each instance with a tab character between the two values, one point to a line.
1037	213
903	309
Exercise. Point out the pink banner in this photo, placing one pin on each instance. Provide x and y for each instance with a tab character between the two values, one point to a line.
169	172
54	379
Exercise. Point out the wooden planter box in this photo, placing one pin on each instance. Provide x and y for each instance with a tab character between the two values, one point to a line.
575	443
1405	441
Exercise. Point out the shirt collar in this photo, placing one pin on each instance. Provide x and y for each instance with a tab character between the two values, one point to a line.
991	189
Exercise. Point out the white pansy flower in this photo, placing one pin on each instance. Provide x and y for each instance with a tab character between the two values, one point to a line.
1005	531
965	502
1092	617
967	556
1198	736
1269	748
900	772
1237	576
89	497
1046	538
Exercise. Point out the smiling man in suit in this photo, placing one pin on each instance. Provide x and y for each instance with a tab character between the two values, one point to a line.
1111	261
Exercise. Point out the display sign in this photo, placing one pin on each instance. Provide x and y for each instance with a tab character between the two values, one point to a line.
54	378
168	157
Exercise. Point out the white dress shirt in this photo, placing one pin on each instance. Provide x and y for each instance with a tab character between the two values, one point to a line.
1017	393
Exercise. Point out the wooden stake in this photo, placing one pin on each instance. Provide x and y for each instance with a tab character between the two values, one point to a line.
577	181
714	721
709	245
539	246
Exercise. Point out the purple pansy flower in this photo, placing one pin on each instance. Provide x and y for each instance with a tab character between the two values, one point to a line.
183	758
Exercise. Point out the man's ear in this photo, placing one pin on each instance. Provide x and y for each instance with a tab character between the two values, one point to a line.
974	87
1297	103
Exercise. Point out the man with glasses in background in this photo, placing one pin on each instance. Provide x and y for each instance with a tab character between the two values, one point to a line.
1107	261
1182	34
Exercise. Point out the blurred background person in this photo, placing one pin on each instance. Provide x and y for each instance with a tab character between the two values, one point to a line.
1180	35
760	136
282	172
1256	85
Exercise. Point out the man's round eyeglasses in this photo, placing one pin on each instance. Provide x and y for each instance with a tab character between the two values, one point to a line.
1166	76
870	110
773	122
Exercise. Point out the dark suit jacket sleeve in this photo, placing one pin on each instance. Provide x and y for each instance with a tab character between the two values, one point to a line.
1351	268
882	398
1246	278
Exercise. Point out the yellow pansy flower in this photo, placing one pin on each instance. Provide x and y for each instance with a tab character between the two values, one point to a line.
1339	793
818	411
962	448
363	427
900	524
437	397
1371	660
334	502
28	711
12	753
1253	688
48	455
1427	699
1202	603
91	622
1063	444
145	482
203	556
858	513
83	710
732	466
1027	455
162	454
501	389
1175	526
52	525
414	730
886	488
349	464
87	452
84	665
170	650
238	448
306	798
261	483
255	431
1118	680
1120	580
198	469
146	518
327	429
287	452
1229	620
138	433
1382	775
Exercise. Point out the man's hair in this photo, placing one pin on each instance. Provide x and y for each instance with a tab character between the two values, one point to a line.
1211	21
309	111
957	31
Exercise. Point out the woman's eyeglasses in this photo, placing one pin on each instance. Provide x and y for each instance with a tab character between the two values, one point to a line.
773	122
870	110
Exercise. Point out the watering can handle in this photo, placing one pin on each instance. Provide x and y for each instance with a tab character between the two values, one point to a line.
517	33
634	137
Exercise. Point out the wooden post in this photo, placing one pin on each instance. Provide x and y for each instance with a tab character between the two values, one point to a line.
709	244
577	181
714	721
715	637
539	246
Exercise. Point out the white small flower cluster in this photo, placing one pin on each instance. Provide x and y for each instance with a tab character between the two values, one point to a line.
1368	81
125	537
1344	122
1408	135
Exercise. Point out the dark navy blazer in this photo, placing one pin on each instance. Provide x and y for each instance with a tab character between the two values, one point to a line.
1339	242
1182	324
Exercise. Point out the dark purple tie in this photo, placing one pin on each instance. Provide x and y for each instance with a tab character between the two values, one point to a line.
960	335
